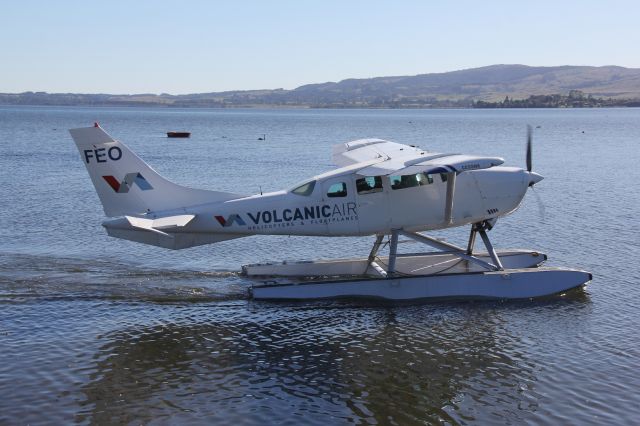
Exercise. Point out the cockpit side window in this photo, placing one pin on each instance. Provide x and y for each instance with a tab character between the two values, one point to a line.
426	179
369	184
338	189
305	189
409	181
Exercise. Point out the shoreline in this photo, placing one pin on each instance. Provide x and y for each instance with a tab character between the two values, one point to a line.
310	107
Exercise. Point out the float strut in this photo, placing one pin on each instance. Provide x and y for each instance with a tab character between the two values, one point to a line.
490	249
374	252
472	239
393	250
448	248
374	249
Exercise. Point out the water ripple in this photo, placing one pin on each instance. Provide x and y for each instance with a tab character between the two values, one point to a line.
100	331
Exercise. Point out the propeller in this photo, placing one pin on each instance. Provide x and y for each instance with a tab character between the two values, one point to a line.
533	177
541	208
529	140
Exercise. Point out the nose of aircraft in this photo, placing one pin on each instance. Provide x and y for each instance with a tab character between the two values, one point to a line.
534	178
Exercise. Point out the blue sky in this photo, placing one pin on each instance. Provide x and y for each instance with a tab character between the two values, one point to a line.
176	47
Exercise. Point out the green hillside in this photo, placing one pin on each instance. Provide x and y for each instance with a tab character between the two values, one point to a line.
484	86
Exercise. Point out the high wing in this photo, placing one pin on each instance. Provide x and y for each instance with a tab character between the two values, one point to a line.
399	159
362	150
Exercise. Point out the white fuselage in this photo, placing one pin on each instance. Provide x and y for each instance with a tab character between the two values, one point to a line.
479	195
381	187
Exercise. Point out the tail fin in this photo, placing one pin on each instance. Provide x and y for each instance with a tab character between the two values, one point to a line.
126	185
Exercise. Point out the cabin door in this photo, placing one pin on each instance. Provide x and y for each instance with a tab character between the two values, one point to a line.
338	209
372	197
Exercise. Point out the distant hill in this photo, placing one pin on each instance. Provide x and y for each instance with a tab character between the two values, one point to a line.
465	88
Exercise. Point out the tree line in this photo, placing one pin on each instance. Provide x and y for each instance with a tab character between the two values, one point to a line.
575	99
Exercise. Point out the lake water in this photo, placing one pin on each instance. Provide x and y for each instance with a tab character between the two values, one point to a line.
102	331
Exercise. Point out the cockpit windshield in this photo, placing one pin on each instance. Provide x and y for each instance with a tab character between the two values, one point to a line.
305	189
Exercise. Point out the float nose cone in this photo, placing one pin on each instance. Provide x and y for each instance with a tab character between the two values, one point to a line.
534	178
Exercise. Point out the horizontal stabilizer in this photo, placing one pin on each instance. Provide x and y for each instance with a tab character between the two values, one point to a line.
175	241
155	225
169	232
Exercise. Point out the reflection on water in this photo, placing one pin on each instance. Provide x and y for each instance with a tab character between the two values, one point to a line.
283	363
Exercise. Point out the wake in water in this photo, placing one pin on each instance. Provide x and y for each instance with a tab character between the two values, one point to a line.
24	276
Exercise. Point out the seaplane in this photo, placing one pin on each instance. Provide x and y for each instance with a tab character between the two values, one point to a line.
381	189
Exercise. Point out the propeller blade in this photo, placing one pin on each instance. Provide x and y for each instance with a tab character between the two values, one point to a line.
541	207
529	140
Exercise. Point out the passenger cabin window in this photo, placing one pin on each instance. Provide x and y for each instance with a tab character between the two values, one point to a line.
369	184
337	190
305	189
409	181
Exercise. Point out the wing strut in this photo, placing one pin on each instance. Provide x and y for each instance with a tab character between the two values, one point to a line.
393	251
448	208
